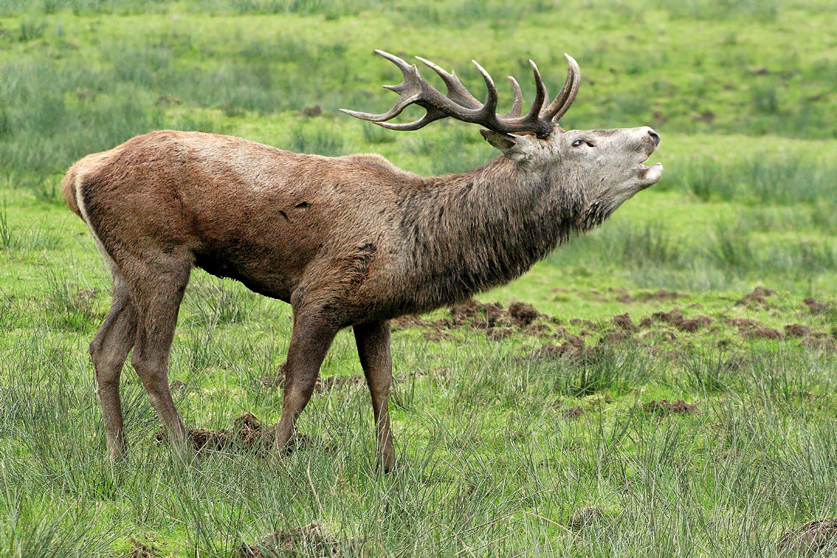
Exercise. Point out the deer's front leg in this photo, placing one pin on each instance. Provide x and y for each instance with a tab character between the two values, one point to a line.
312	336
374	352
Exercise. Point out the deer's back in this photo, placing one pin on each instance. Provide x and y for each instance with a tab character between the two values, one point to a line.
270	218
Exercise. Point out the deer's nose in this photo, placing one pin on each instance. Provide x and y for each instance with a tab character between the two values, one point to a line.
655	137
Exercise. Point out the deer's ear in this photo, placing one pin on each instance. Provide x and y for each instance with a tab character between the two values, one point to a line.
516	148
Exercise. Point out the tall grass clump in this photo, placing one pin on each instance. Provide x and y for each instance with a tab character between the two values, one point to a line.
747	179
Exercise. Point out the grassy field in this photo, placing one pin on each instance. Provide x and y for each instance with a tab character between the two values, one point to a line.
667	389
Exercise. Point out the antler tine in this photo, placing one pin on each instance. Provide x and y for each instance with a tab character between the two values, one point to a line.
565	98
489	109
456	91
541	95
517	103
412	82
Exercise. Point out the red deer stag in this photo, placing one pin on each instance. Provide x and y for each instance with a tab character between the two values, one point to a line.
347	241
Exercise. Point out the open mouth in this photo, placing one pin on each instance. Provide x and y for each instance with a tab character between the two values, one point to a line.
649	175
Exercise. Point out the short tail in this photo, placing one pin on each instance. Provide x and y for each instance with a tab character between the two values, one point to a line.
68	186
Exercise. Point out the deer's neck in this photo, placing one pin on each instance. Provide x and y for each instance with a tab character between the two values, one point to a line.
470	232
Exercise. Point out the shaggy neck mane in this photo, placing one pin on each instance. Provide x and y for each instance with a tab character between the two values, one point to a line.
469	232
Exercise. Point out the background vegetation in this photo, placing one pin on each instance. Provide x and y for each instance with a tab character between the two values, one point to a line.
542	439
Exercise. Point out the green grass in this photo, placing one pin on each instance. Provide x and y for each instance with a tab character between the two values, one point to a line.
505	447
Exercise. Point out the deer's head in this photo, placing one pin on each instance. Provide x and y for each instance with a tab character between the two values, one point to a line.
601	168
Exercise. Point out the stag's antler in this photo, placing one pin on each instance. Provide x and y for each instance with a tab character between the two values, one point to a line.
461	105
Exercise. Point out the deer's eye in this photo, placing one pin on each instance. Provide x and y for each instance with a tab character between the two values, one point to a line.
578	142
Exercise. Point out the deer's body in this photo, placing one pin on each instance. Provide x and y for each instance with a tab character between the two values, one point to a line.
347	241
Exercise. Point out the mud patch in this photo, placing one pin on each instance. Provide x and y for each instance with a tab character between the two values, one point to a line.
810	539
176	386
247	433
624	323
762	333
573	346
664	407
489	317
817	307
756	299
309	540
523	314
585	517
660	295
818	344
572	412
679	321
798	330
141	550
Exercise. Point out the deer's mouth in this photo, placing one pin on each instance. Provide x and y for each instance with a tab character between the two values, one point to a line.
649	175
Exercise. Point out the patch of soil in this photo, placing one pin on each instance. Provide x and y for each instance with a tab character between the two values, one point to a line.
761	333
742	323
757	298
664	407
309	540
490	317
572	412
662	294
523	314
177	386
142	551
798	330
270	382
817	306
615	337
818	344
247	433
678	320
624	322
810	538
585	517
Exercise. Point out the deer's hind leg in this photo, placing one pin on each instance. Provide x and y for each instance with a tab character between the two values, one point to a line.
373	347
108	351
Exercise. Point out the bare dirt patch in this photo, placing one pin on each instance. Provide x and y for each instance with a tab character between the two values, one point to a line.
816	307
819	344
624	322
247	433
309	540
751	329
585	517
798	330
490	317
810	538
679	321
660	295
142	551
664	407
572	412
762	333
574	346
523	314
756	299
